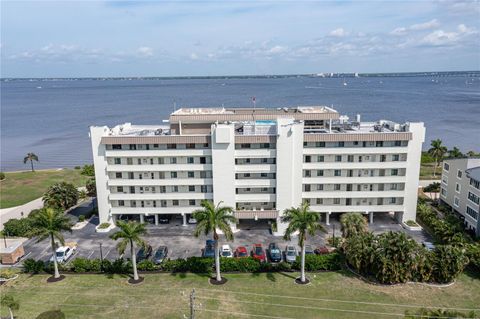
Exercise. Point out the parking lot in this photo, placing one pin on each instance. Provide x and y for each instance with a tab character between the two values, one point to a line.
182	243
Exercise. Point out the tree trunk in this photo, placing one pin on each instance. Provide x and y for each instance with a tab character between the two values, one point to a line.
302	279
55	264
11	313
217	257
134	261
435	169
31	163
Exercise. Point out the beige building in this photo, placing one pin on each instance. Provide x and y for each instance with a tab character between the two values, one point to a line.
259	161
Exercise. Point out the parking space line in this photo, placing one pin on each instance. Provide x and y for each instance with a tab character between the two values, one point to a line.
108	252
90	254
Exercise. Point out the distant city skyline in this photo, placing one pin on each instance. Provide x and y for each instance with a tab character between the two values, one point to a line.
215	38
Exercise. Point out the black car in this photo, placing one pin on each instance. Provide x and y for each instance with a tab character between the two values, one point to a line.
209	250
160	255
164	219
274	253
144	253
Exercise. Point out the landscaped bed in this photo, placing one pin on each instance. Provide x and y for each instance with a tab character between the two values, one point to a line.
329	295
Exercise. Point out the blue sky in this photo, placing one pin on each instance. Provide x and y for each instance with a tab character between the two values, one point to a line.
176	38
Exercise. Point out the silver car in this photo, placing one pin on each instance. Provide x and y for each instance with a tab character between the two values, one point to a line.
290	254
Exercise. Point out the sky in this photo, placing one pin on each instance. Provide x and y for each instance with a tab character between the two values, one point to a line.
207	38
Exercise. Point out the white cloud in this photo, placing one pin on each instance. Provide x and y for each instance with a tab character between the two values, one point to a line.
145	51
193	56
426	25
278	49
340	32
399	31
440	37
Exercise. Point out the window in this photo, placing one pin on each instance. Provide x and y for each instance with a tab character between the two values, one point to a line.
308	159
455	201
161	160
457	187
155	146
190	174
336	187
121	203
155	202
338	158
320	158
445	179
319	187
395	157
397	143
190	146
175	189
173	174
320	172
203	160
336	201
378	143
341	144
307	188
459	174
475	183
319	144
472	213
319	201
350	158
151	161
118	175
142	203
171	146
393	200
152	175
163	189
120	189
117	161
393	187
349	187
173	160
443	192
474	198
446	166
117	146
132	146
383	158
191	188
191	202
190	160
308	173
203	174
175	202
163	203
394	172
337	172
203	188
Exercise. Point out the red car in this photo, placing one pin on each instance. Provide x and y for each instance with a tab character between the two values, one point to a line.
240	252
258	253
322	250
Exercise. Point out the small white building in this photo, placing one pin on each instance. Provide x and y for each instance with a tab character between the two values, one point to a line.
460	189
258	161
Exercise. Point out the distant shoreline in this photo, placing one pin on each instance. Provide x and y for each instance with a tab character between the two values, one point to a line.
470	73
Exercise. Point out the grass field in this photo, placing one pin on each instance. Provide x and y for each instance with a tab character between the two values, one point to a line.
426	171
19	188
330	295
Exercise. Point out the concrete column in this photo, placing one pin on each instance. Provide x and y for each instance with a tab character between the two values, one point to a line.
327	218
142	220
370	217
184	219
281	227
156	219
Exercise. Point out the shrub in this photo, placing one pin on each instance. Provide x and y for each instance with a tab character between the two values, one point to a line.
51	314
147	265
411	223
104	225
81	218
7	273
33	266
118	266
332	261
77	167
88	170
81	264
437	313
91	187
334	241
247	264
448	262
22	227
2	176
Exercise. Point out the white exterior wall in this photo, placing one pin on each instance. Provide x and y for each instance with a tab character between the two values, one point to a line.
101	177
413	171
289	167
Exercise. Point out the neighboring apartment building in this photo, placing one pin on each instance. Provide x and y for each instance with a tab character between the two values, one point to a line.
460	189
258	161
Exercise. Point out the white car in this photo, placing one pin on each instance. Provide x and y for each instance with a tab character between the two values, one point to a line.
226	251
63	253
192	220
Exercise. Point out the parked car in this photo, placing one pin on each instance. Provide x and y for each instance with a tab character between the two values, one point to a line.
240	252
192	220
322	250
160	255
226	251
63	253
309	250
164	219
144	253
428	245
290	254
209	250
258	252
274	253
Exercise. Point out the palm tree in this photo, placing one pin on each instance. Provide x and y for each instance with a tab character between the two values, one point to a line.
471	154
211	218
353	224
455	153
49	222
30	157
303	221
9	302
130	233
437	151
61	196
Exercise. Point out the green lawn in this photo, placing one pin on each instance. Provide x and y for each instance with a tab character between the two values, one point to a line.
21	187
330	295
426	171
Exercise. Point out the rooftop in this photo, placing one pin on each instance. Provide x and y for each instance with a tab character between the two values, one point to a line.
473	173
251	110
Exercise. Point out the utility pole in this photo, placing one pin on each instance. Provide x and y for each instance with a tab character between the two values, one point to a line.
192	304
101	257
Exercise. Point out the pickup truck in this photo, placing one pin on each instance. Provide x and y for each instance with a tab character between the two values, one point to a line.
63	253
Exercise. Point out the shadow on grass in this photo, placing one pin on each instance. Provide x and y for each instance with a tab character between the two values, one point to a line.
113	276
271	277
288	275
183	275
472	273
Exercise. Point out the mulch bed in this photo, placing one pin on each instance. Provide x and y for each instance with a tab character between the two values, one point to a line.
52	279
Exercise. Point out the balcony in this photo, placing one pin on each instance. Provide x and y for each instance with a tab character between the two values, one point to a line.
256	214
159	168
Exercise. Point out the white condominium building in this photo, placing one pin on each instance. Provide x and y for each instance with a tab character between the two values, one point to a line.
460	189
258	161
